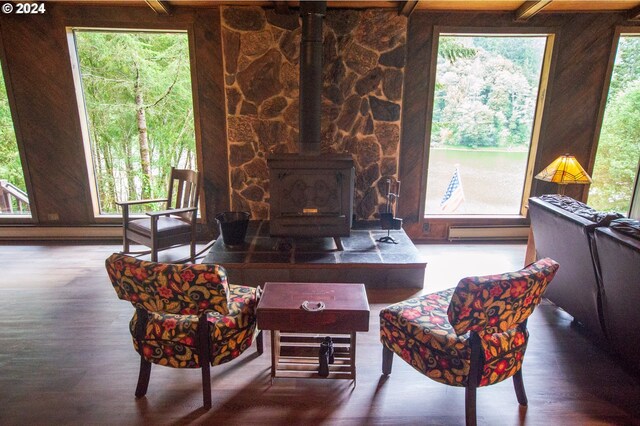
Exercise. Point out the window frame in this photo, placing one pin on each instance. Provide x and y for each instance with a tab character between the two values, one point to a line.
548	62
83	116
634	209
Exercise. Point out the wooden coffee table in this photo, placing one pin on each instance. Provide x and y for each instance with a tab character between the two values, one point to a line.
296	333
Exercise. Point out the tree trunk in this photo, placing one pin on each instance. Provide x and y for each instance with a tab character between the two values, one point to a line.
131	182
102	167
145	160
108	206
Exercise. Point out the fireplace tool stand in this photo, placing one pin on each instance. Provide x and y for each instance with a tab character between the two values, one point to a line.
388	220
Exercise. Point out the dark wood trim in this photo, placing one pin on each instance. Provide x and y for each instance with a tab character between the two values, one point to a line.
161	7
603	103
546	118
576	94
414	121
197	120
529	8
634	14
212	111
406	8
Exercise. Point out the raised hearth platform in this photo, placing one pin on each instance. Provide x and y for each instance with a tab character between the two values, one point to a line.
364	260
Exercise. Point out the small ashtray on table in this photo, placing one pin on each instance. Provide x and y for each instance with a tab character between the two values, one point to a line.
301	315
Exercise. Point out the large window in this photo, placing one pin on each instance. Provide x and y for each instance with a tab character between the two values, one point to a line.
484	117
13	191
138	105
616	164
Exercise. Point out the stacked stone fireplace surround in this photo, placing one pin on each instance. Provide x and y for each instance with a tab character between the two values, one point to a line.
363	63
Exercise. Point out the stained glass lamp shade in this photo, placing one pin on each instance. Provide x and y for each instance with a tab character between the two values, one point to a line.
564	170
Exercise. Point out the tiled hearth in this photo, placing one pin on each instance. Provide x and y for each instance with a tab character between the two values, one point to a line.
364	260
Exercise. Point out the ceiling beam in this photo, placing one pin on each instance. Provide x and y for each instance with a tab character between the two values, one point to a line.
161	7
530	8
407	7
634	14
281	7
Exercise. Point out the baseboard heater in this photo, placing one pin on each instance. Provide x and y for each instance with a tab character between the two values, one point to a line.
44	233
462	233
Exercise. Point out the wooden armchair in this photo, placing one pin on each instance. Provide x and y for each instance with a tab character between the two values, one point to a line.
168	228
187	316
471	336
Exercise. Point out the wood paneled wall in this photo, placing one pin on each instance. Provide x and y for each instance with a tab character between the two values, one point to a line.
579	67
38	73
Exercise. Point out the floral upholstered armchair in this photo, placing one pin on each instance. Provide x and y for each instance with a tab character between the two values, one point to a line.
187	316
472	335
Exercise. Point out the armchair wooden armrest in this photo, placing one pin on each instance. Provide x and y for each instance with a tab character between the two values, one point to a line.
128	203
172	211
181	201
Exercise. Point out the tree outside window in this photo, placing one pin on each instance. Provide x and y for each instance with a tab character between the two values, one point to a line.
139	109
616	163
13	191
486	93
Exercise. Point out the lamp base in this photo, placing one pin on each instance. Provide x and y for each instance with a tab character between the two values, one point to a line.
561	189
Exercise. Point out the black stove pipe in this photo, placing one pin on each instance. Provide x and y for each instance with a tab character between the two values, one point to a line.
312	14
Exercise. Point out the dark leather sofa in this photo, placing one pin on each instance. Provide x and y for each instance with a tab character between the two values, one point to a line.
565	236
618	249
598	282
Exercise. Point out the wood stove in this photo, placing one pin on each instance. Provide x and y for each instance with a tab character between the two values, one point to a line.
311	194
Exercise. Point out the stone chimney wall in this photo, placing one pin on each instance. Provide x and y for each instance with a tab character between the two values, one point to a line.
363	74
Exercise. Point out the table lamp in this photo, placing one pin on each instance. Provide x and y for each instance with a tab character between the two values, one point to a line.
564	170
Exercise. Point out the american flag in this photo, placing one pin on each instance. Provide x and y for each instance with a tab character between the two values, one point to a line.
454	195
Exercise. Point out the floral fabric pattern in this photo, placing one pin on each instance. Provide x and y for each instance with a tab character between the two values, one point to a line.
497	303
161	287
170	336
418	330
431	332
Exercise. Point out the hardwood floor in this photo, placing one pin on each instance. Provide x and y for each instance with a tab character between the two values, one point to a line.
66	358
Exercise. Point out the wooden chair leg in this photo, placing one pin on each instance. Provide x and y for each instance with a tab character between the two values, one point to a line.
387	360
125	226
260	343
204	356
470	406
475	371
154	238
143	377
518	384
206	385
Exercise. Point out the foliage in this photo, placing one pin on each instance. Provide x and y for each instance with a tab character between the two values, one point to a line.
486	90
137	92
452	49
618	152
627	64
10	165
